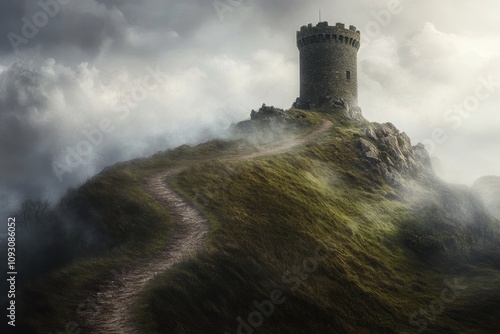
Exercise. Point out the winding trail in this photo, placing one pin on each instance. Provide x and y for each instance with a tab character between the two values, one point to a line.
113	312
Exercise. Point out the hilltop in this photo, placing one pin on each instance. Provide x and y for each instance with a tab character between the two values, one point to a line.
318	223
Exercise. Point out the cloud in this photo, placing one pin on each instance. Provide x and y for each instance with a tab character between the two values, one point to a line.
429	82
85	67
52	114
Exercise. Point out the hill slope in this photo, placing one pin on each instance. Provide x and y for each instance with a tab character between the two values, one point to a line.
348	233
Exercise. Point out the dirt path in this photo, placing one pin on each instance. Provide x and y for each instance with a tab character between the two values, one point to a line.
112	314
290	144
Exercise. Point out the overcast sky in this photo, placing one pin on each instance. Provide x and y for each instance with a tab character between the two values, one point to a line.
132	77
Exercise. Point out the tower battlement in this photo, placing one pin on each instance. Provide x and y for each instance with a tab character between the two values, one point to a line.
328	64
322	33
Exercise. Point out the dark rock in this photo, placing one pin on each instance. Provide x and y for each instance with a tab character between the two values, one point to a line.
391	151
268	113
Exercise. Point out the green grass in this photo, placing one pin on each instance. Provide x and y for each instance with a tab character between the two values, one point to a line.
131	225
127	223
268	216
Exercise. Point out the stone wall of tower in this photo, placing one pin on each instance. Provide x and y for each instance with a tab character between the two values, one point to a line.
328	64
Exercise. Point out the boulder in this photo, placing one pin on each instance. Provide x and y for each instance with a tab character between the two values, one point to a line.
391	151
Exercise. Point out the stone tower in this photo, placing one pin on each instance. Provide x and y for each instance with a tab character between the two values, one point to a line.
328	65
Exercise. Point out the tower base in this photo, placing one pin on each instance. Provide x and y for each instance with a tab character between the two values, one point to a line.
334	106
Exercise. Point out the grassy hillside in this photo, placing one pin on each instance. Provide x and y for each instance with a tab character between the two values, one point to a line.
126	225
385	260
308	240
385	257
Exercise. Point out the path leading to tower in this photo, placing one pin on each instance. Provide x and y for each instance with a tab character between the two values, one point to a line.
114	312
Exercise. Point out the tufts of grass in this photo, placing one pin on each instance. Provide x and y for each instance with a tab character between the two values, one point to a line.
317	222
125	224
270	214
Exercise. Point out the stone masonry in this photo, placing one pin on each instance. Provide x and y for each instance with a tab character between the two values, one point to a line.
328	65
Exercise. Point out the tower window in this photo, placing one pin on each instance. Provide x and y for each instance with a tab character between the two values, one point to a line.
348	75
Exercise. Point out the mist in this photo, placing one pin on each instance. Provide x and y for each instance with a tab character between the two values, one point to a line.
84	85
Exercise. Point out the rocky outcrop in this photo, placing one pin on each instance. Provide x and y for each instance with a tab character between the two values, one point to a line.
269	124
354	113
391	151
268	113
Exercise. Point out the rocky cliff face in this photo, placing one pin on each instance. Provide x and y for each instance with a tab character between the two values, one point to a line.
488	189
453	210
392	152
382	144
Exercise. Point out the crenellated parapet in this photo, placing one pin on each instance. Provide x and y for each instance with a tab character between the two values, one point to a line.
328	65
323	33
